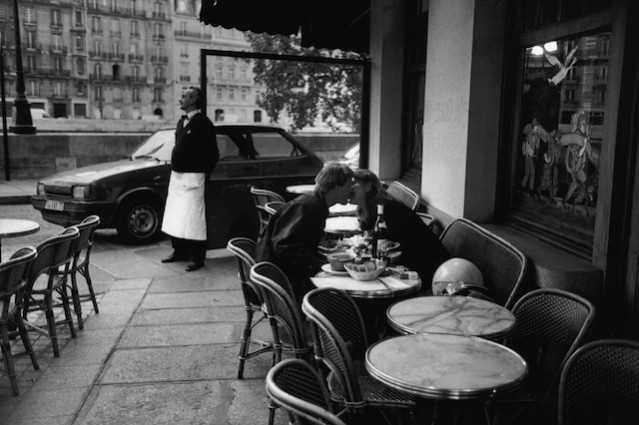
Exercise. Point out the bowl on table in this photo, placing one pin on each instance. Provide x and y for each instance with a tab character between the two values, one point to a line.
367	270
339	259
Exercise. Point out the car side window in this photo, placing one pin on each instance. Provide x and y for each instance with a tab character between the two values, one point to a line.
273	145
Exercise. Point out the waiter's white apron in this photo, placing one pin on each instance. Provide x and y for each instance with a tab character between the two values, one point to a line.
185	211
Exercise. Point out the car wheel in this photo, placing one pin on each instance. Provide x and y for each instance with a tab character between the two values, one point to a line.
138	221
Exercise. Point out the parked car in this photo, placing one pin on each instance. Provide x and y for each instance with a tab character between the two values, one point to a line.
350	157
129	195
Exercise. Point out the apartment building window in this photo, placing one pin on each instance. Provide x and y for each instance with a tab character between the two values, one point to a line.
158	30
33	88
157	8
257	116
135	72
114	5
56	42
79	43
134	6
29	15
231	93
218	73
182	6
183	28
231	72
97	47
115	49
115	27
78	18
56	18
2	37
157	94
80	66
3	12
58	89
30	41
135	30
243	93
58	64
97	70
243	73
80	89
31	63
96	24
116	72
97	93
135	49
184	51
218	93
135	94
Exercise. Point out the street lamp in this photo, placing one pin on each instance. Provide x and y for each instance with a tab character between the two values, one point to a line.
23	123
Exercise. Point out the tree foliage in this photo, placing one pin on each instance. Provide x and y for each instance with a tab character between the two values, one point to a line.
307	90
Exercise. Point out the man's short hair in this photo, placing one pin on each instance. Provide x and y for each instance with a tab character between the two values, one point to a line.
332	176
199	99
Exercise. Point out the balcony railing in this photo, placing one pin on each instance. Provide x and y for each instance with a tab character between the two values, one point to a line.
158	37
163	59
159	15
116	56
159	80
94	54
131	79
138	58
192	34
58	50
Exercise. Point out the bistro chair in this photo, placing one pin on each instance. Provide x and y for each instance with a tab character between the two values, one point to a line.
52	264
243	248
600	384
273	206
81	259
11	283
340	342
427	219
550	325
298	388
502	265
284	315
403	194
261	197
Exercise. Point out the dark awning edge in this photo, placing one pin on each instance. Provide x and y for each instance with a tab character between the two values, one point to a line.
330	24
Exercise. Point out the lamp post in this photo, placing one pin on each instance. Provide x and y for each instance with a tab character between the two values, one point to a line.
23	123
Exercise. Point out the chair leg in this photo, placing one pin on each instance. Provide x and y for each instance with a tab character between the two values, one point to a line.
26	341
8	359
272	406
246	338
84	271
48	302
67	309
75	296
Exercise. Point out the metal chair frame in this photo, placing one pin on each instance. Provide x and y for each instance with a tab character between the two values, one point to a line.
261	197
502	265
243	248
339	338
404	194
54	258
12	282
296	386
600	381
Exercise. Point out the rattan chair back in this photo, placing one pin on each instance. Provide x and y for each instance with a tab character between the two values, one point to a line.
296	386
600	384
261	197
244	249
403	194
502	265
270	271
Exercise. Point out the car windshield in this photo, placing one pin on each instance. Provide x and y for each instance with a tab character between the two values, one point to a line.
159	146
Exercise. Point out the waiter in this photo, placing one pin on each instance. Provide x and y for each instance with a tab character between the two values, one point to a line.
194	156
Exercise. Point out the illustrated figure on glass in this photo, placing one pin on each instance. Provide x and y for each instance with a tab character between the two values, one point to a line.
578	154
534	133
550	173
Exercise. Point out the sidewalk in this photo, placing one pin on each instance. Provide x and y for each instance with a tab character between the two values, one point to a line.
162	350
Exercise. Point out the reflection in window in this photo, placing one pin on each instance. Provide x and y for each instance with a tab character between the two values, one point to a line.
560	134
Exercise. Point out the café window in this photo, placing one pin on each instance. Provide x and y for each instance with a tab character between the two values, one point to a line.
557	134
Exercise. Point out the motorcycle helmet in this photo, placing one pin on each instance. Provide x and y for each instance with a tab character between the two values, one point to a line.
455	274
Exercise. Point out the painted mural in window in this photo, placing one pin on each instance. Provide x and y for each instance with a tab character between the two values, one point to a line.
560	133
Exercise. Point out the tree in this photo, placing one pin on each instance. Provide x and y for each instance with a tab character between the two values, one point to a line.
306	90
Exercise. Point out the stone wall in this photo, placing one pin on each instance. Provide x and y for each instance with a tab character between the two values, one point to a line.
39	155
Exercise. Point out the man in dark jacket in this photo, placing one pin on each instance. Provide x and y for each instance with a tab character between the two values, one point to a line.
194	156
294	232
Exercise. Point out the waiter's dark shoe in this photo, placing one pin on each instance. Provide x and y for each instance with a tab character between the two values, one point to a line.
194	265
173	258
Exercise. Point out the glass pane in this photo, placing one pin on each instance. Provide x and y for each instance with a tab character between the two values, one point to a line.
560	134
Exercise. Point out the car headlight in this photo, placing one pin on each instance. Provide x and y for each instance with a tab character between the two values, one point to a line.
83	192
40	189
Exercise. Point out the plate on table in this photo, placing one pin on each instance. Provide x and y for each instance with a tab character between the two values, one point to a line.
327	268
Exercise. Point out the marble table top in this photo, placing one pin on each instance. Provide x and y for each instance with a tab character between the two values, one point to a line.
10	227
343	209
381	287
445	366
452	315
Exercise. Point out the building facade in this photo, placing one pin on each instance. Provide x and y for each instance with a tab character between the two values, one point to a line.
122	59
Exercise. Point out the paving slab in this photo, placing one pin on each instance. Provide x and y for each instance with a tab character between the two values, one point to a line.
192	299
183	334
188	315
49	404
176	364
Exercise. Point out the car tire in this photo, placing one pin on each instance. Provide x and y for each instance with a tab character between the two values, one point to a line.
138	221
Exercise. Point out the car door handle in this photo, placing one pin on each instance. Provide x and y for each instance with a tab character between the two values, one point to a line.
157	178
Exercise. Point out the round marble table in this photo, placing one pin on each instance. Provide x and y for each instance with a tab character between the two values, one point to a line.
11	227
347	225
451	315
342	210
445	366
383	287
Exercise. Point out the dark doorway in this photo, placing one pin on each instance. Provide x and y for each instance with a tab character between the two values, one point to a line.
59	110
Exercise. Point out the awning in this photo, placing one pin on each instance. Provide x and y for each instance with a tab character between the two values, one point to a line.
332	24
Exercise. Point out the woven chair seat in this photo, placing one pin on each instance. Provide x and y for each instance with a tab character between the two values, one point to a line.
374	393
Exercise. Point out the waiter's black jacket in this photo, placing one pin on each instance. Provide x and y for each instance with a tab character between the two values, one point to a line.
195	149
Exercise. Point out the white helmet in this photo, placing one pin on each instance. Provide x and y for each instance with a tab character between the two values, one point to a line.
456	271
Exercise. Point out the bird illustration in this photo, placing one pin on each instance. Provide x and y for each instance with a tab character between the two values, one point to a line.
563	68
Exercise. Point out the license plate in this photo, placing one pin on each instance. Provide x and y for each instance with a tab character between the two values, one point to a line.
54	205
